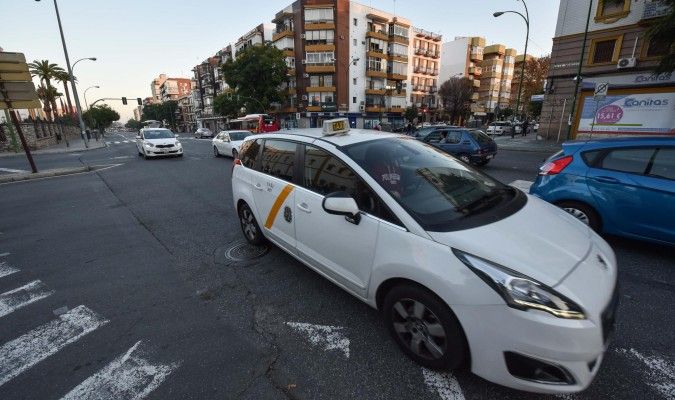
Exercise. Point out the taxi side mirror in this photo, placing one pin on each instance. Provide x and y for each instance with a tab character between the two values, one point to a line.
176	136
341	203
138	136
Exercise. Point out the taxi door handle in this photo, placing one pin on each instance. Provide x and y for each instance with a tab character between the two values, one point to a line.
258	186
304	207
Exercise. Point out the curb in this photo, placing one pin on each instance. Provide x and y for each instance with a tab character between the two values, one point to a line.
48	151
44	174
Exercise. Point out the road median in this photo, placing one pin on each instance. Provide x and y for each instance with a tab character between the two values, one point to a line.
48	173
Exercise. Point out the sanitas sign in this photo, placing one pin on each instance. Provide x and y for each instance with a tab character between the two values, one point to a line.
648	113
629	80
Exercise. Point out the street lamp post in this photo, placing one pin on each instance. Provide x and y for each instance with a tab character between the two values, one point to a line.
526	18
85	95
72	77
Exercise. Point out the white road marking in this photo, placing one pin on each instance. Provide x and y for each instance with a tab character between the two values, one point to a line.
443	383
522	185
14	171
129	376
329	337
6	269
125	141
4	254
660	372
22	353
108	142
23	296
117	142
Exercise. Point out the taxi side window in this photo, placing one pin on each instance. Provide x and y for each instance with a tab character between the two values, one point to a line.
278	159
248	153
325	173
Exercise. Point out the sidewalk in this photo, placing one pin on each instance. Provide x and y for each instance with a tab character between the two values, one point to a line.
530	142
74	145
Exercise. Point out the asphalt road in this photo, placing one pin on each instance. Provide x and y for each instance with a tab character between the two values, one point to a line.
135	293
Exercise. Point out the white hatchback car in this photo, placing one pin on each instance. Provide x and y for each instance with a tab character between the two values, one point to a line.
156	142
430	242
227	143
499	128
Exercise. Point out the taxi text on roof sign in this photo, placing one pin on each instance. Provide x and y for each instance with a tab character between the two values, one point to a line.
338	126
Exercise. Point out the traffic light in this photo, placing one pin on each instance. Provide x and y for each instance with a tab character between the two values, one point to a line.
124	101
138	99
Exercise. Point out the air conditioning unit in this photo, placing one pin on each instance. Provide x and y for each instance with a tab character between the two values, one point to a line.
362	107
626	63
304	62
304	97
306	75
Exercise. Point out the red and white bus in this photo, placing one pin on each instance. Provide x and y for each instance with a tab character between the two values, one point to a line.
255	123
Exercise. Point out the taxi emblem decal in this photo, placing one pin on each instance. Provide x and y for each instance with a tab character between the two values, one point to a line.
277	206
288	214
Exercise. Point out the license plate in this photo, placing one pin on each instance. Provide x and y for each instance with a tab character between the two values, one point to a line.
338	125
489	156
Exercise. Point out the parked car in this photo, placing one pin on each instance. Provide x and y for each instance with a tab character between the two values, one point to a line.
429	241
156	142
621	186
201	133
499	128
472	146
227	143
535	127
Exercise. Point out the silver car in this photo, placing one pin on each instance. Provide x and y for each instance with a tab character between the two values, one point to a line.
203	133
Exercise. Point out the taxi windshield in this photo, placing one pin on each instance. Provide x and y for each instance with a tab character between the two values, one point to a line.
239	135
157	134
440	192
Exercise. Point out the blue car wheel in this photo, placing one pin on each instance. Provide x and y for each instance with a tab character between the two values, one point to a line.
583	213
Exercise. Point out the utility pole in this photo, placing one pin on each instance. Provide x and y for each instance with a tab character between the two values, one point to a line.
578	77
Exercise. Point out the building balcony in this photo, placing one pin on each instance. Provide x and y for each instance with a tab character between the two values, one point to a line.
476	56
382	35
420	51
377	54
398	57
476	83
372	73
290	72
320	47
396	77
289	53
432	71
432	54
378	92
417	88
475	96
399	39
476	71
433	89
375	108
419	69
311	89
398	110
317	26
282	34
313	68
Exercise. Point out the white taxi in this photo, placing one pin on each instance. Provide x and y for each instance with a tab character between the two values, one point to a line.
156	142
429	241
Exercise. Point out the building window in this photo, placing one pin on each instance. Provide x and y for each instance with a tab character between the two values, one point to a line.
374	64
321	80
356	22
605	50
318	15
655	48
355	42
324	57
354	100
611	11
355	81
319	37
397	30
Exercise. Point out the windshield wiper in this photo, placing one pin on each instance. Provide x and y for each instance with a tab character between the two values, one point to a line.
484	202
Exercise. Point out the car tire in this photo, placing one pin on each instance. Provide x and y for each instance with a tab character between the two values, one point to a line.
582	212
425	328
216	152
465	158
482	163
235	154
249	226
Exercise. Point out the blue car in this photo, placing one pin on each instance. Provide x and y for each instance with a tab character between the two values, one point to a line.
472	146
621	186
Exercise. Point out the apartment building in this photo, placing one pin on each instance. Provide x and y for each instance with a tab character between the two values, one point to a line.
618	52
155	88
173	88
348	59
494	88
515	84
204	93
463	57
138	113
185	115
427	49
255	37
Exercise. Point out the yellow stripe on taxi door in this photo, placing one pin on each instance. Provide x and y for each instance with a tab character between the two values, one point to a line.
277	205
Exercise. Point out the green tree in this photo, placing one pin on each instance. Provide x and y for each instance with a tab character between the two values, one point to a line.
227	105
64	78
256	75
46	71
152	112
48	95
165	112
100	117
455	95
133	124
410	113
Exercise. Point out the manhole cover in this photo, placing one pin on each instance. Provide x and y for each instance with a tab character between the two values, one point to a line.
244	252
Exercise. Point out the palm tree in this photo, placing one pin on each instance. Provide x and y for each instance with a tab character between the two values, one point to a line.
45	71
48	95
64	78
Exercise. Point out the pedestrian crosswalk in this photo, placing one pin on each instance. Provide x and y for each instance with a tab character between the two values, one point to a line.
132	375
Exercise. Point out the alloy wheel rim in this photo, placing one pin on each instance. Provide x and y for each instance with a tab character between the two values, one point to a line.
464	158
578	214
248	224
419	329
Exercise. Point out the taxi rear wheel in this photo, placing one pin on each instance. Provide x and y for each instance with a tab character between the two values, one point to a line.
424	327
249	225
216	152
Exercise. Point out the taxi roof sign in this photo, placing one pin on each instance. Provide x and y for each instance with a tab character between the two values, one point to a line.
337	126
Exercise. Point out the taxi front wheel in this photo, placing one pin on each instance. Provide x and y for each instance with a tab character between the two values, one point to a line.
249	225
425	328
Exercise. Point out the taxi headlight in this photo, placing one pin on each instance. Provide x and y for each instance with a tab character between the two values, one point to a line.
177	144
519	291
148	144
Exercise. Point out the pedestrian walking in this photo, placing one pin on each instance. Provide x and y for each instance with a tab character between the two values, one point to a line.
525	126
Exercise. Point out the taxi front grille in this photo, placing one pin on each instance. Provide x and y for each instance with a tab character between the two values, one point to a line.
163	146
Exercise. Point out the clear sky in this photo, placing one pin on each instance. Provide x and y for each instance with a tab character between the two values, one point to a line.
136	40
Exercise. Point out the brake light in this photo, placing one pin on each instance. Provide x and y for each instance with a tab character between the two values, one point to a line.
556	166
235	162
